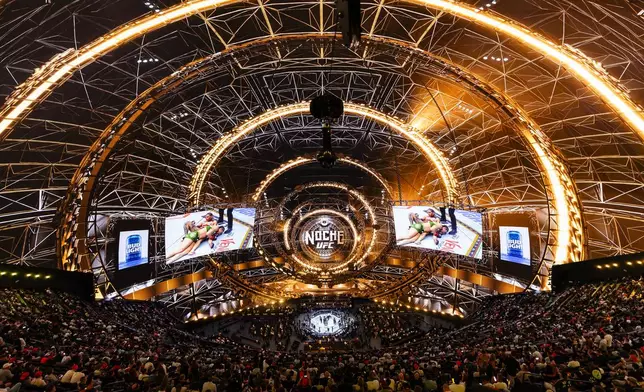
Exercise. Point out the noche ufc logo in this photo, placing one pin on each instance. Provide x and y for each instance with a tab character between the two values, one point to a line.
324	239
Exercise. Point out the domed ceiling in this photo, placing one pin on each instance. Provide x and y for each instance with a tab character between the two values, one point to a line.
145	109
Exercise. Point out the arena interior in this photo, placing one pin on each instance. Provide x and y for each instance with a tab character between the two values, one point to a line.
332	196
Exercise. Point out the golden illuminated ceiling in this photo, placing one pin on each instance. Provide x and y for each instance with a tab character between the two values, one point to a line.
157	108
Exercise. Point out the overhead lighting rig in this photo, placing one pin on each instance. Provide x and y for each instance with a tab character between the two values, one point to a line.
349	21
326	108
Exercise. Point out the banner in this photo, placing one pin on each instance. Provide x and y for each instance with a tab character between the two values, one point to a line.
450	230
133	248
205	232
515	244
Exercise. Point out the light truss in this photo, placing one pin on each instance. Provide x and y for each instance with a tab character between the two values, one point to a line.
263	275
560	189
602	155
61	66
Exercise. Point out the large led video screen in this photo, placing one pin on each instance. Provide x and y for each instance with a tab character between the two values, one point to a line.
515	244
205	232
455	231
133	248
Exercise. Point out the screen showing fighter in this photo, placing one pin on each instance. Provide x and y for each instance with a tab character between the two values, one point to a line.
444	229
201	233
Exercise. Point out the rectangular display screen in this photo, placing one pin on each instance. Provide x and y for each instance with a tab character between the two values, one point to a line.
457	232
515	244
133	248
205	232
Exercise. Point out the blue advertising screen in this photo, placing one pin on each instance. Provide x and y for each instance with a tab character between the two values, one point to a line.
515	244
133	248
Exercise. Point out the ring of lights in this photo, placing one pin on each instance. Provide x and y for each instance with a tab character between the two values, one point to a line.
309	204
300	161
287	224
370	233
308	266
557	179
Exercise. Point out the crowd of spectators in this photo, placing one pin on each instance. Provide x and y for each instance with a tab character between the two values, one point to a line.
277	329
390	328
587	338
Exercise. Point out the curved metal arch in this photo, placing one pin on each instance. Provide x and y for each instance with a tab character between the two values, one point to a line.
62	66
558	181
301	161
223	144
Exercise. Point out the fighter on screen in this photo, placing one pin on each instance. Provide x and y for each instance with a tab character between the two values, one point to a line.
421	226
210	219
229	216
201	233
195	234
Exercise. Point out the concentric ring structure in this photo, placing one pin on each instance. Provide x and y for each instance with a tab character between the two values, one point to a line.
569	227
340	215
371	228
542	121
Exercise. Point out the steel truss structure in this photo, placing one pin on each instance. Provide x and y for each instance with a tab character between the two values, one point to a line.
475	93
